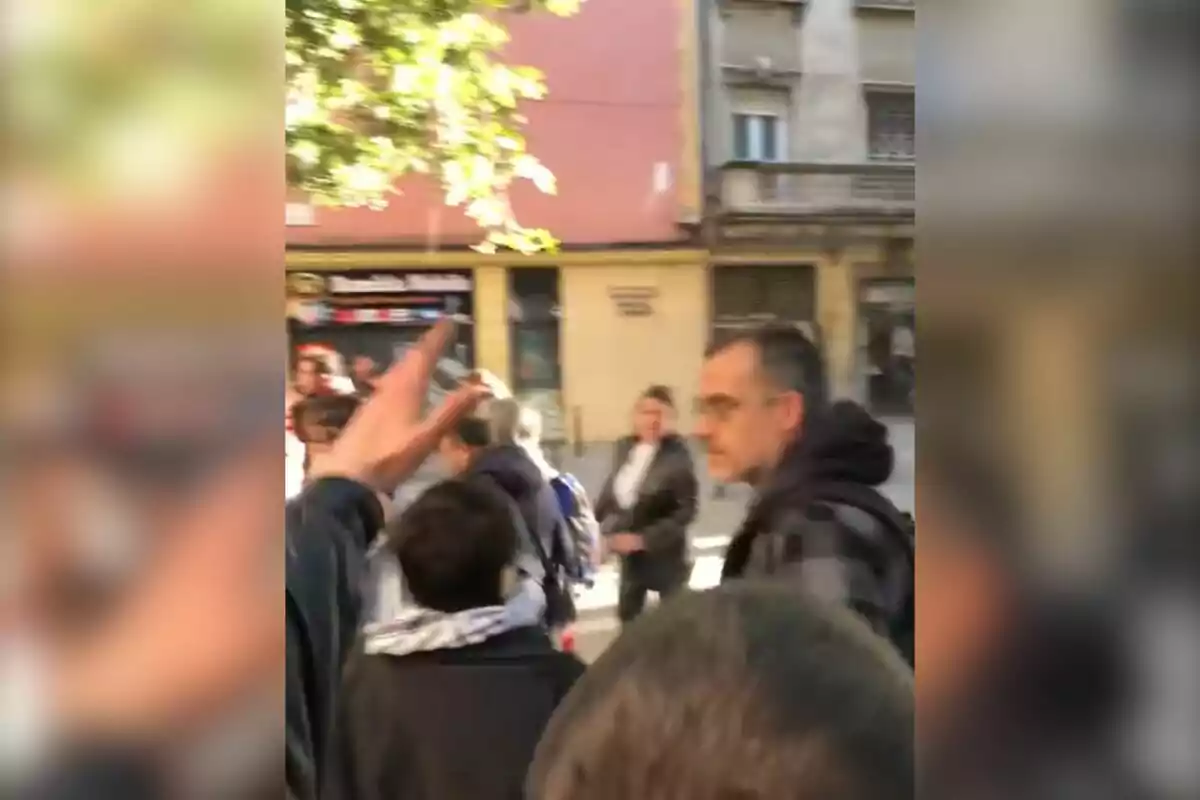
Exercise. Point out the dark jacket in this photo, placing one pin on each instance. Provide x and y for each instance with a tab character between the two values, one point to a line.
666	505
510	468
328	529
449	724
831	549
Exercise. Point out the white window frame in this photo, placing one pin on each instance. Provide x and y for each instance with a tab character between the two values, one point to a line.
755	144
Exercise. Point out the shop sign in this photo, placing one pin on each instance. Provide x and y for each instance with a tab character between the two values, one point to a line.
305	284
379	298
633	301
429	282
890	294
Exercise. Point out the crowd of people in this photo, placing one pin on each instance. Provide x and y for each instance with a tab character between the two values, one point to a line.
450	679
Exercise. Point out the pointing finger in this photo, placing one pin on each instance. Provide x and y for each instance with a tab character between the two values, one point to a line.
426	436
406	384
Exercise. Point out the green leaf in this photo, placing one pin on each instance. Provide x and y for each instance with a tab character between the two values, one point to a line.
378	89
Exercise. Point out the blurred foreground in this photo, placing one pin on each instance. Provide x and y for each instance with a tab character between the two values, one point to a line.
1057	472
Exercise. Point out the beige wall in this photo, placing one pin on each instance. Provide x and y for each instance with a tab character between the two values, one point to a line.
491	321
751	100
886	41
758	29
608	359
748	32
837	315
887	47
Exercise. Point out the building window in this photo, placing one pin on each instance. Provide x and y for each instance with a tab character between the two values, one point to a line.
887	319
533	300
891	126
744	297
758	137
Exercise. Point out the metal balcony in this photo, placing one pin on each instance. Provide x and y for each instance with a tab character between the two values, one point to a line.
819	190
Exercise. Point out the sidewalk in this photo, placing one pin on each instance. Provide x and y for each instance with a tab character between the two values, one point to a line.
600	601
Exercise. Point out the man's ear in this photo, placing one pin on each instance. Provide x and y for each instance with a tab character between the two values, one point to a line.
791	408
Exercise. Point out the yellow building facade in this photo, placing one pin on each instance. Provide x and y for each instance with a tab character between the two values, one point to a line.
629	318
626	319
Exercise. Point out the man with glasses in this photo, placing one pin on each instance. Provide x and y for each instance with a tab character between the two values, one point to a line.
817	519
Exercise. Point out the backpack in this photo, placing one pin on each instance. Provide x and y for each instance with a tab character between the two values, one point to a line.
582	527
560	602
901	523
556	580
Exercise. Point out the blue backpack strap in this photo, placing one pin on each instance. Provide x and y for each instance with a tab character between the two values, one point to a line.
565	493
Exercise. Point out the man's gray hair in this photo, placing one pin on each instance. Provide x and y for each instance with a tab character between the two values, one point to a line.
510	422
789	359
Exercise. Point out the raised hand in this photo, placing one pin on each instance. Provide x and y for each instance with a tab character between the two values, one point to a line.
387	440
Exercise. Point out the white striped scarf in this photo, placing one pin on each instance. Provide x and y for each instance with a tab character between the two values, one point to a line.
400	627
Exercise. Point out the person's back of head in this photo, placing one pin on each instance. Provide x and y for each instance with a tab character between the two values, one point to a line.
497	422
455	544
322	418
458	448
318	420
511	422
748	691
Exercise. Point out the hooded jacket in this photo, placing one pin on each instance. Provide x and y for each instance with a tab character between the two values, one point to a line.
440	706
511	469
800	528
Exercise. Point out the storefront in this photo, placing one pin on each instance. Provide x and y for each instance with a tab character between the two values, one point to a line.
576	335
887	341
747	296
380	313
857	301
534	333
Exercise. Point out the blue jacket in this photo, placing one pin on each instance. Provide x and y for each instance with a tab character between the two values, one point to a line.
511	469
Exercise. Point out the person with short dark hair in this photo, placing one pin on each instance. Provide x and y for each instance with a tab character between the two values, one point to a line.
487	446
363	374
319	419
309	376
751	691
455	546
449	698
647	504
818	520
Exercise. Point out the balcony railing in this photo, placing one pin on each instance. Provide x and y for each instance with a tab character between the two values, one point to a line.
804	189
